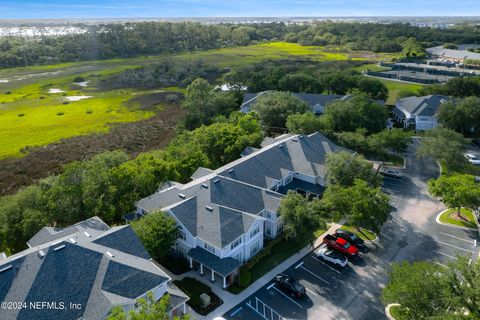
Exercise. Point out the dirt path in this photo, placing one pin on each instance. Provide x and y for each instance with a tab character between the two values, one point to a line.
133	137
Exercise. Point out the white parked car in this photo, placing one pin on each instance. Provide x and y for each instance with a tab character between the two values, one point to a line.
472	159
329	255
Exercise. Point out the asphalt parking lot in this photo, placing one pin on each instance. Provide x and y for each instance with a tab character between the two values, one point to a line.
354	292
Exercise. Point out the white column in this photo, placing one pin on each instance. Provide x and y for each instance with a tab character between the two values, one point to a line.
201	269
213	277
191	263
224	282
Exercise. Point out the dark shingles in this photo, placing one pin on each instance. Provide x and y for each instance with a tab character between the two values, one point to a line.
305	186
222	266
186	212
67	276
129	282
123	239
233	224
7	276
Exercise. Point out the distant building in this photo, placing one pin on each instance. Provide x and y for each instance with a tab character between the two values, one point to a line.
317	102
454	55
224	215
419	113
83	272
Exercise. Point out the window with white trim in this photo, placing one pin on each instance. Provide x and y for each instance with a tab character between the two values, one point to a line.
254	232
209	247
254	249
236	243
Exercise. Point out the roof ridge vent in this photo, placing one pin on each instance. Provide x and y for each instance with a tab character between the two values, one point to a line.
59	248
209	208
6	268
300	136
295	140
109	254
231	170
280	145
217	180
41	254
181	195
72	240
204	185
87	234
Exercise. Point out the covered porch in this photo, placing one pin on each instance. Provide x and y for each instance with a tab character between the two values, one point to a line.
226	268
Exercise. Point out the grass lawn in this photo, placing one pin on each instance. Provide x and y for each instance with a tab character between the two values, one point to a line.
394	312
364	234
450	217
194	288
395	87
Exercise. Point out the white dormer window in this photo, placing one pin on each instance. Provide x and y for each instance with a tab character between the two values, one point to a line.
209	247
254	232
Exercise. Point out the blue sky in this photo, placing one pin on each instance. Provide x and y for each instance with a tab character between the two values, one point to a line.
18	9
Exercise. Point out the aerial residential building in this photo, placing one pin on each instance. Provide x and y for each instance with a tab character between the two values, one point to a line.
224	215
82	272
317	102
419	113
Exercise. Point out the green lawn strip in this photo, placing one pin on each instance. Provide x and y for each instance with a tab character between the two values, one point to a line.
193	289
271	256
364	233
395	87
395	312
449	217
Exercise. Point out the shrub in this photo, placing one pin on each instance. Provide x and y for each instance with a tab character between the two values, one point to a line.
60	113
21	114
244	278
8	92
89	111
66	102
78	79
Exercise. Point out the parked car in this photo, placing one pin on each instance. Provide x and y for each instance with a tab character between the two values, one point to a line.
341	245
329	255
388	172
472	159
290	285
350	237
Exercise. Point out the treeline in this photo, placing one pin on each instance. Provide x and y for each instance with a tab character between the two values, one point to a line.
109	184
306	77
150	38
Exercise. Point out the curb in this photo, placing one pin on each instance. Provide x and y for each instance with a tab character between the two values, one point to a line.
437	219
387	310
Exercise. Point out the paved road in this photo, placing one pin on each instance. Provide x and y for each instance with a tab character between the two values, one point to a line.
354	292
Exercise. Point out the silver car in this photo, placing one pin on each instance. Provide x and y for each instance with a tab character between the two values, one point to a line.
472	159
329	255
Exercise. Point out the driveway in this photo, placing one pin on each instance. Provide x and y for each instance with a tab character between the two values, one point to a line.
355	291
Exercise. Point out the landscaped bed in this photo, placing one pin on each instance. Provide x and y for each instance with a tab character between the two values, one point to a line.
451	217
174	264
363	233
395	313
194	288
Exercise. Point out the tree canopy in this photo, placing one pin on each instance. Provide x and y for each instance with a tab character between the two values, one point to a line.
445	146
343	168
148	309
462	116
360	111
274	107
426	290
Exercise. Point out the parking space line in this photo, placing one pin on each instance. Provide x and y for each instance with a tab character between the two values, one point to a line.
270	286
235	312
326	265
313	274
449	235
446	255
287	297
299	265
458	248
311	291
436	262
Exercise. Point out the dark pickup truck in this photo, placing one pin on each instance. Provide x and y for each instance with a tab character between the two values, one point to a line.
340	245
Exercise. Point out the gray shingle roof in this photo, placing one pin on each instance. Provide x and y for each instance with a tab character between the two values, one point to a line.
93	225
74	269
316	101
453	53
123	239
129	282
426	106
222	266
240	190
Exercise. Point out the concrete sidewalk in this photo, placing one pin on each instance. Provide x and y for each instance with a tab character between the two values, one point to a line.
231	300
